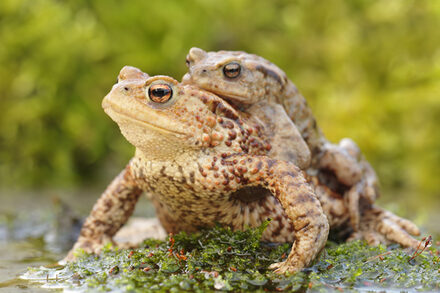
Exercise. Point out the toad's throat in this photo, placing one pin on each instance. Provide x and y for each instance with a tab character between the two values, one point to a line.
112	112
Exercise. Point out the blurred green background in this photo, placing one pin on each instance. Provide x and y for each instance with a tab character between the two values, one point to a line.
369	69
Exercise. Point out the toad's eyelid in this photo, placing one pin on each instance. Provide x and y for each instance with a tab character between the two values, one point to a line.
227	61
161	79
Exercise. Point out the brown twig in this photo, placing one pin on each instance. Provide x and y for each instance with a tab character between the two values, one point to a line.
380	256
419	249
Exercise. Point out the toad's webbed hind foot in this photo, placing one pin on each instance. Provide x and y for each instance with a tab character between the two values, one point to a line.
379	226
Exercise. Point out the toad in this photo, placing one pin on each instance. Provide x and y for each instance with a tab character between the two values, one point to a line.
202	162
260	88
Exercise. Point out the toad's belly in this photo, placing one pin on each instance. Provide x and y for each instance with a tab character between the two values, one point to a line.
248	207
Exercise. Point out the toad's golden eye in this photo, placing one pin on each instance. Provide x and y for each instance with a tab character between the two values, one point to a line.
160	93
232	70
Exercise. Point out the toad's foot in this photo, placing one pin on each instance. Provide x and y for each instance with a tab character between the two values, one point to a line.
280	267
379	226
88	246
286	266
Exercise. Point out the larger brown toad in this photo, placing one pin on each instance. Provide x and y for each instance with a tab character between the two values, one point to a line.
202	162
263	89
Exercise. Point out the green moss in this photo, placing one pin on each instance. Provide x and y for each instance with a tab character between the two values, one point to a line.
219	259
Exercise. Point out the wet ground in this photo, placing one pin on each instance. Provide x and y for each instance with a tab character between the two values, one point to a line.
38	228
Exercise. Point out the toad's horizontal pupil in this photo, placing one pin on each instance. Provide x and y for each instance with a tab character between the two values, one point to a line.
160	92
232	70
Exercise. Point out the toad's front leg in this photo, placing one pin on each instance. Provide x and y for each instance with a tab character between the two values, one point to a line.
287	183
110	212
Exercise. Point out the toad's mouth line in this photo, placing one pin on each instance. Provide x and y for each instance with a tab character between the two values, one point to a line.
110	110
228	97
188	79
231	98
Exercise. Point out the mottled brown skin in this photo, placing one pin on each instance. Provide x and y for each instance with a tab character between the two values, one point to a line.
258	88
377	226
202	162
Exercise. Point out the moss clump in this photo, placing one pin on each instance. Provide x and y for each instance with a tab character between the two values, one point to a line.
219	259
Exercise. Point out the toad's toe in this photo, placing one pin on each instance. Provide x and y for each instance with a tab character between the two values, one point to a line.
395	233
405	224
284	267
373	239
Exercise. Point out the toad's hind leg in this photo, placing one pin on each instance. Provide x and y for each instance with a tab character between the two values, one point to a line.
287	183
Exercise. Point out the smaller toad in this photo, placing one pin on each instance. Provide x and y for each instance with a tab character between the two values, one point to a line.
263	90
